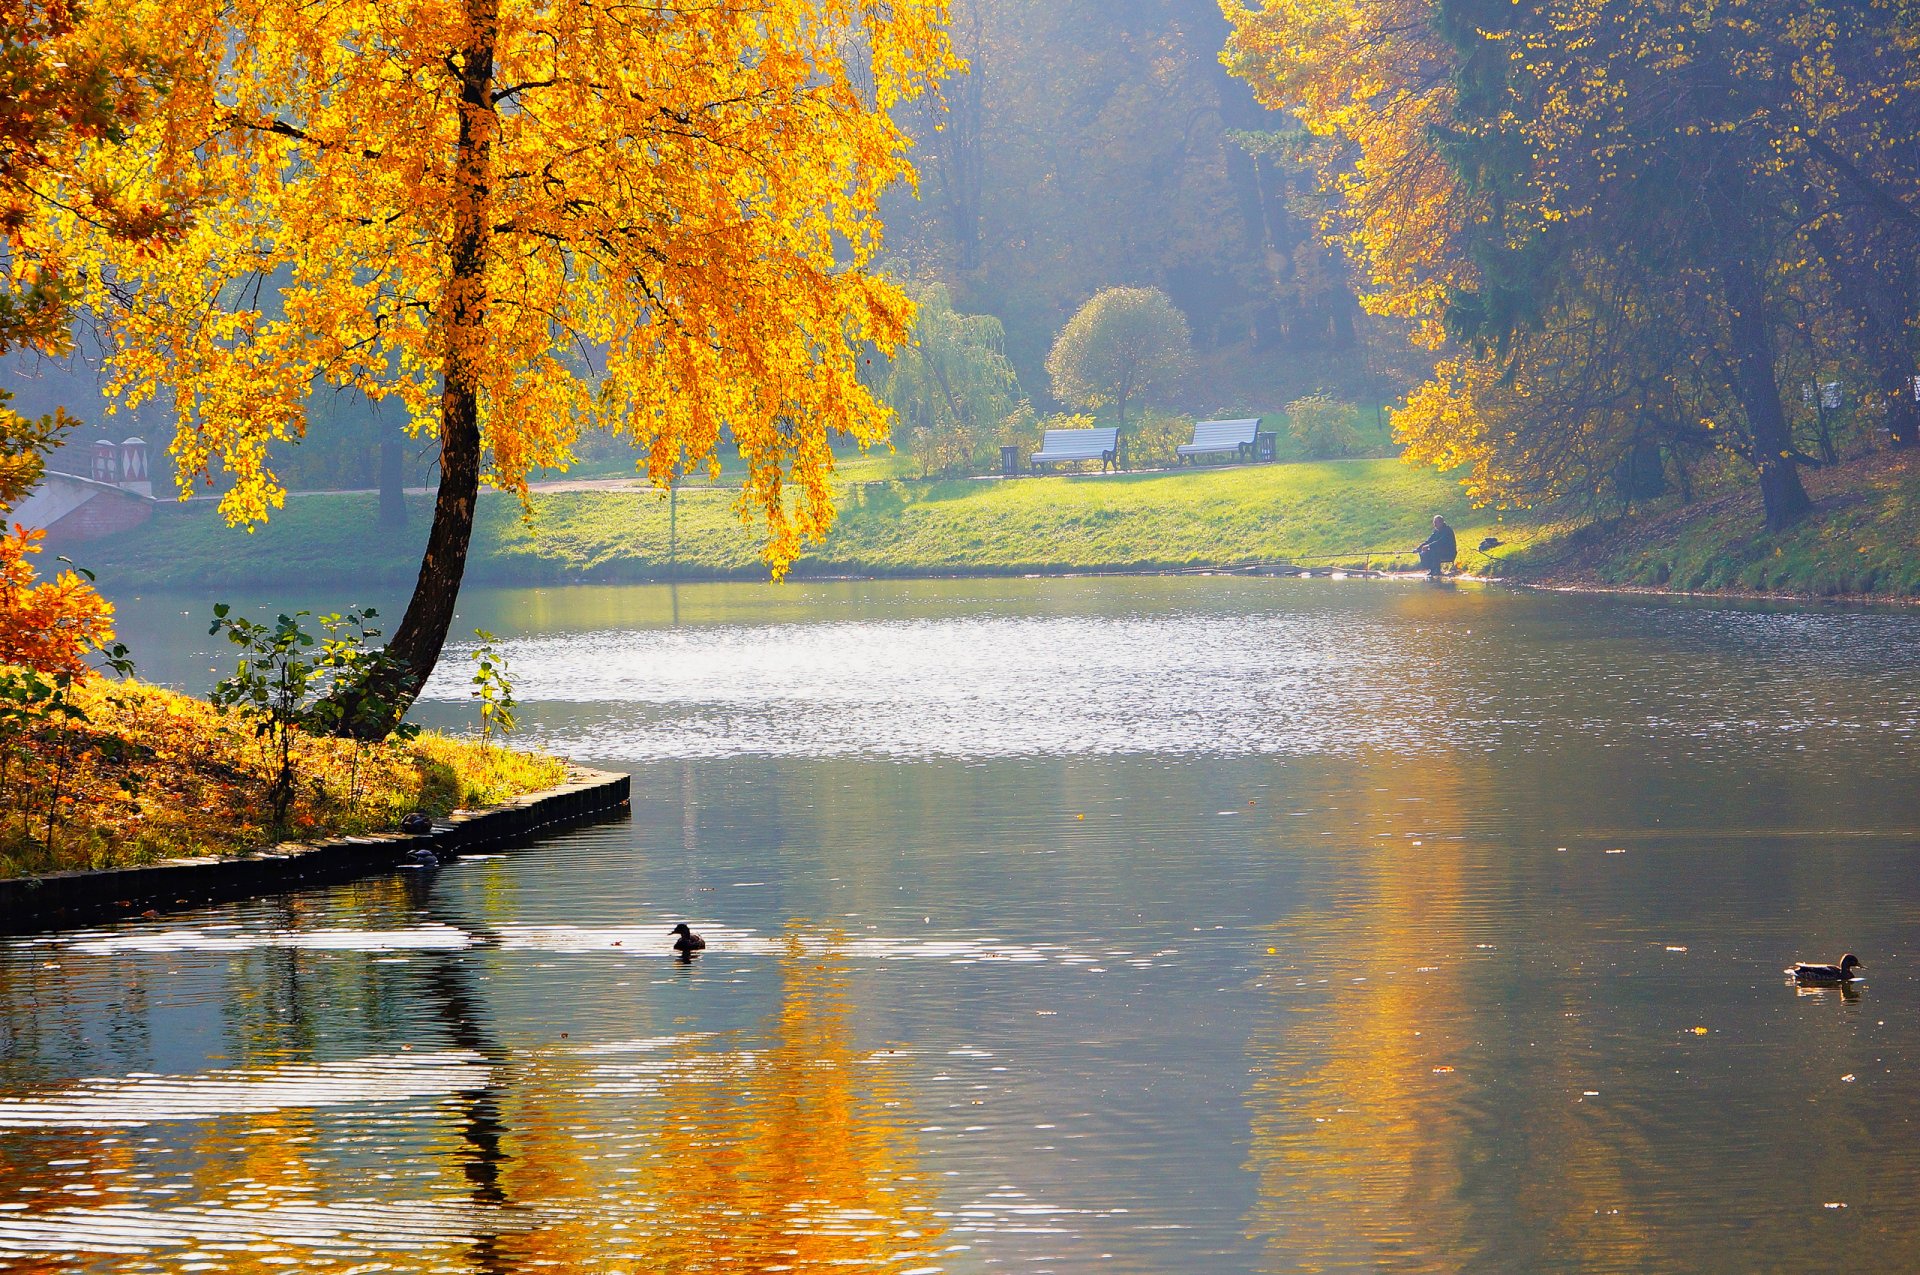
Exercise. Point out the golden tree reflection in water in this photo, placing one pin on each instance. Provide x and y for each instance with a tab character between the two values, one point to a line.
1379	1138
795	1156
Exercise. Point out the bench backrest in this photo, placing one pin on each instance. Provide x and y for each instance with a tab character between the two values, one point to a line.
1091	443
1225	433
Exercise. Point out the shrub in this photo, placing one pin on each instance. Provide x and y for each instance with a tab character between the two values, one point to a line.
1324	427
1151	443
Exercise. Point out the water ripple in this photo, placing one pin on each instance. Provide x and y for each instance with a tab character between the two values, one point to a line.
137	1100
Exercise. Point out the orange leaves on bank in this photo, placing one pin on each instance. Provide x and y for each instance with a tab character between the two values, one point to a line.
48	625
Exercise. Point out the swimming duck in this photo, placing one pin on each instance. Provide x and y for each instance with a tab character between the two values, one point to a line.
1841	973
688	943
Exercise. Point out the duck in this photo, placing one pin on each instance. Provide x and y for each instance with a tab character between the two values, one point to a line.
688	943
1841	973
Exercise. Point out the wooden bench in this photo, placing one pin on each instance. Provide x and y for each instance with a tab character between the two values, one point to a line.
1057	446
1220	436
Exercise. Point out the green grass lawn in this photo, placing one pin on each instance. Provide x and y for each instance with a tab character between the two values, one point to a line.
1332	511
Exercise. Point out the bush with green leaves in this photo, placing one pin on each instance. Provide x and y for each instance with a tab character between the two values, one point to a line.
1152	442
1324	427
286	686
493	687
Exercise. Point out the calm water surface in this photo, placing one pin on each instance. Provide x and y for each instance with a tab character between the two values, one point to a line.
1200	925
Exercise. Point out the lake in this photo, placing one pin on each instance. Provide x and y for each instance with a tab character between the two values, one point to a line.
1140	925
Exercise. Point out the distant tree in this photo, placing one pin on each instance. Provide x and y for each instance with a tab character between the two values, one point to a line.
520	218
951	385
1121	343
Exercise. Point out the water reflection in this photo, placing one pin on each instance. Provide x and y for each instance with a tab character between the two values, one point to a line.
1441	931
1483	1061
782	1147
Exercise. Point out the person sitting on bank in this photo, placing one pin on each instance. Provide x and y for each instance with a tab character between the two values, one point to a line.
1438	549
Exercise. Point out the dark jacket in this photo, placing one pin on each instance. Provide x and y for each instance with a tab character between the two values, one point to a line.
1441	544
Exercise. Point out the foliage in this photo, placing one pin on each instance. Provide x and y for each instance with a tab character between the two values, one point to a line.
493	688
1323	427
517	220
1625	220
67	84
48	625
146	774
951	386
285	688
1123	341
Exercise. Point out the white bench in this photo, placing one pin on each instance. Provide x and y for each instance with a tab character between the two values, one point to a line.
1058	446
1220	436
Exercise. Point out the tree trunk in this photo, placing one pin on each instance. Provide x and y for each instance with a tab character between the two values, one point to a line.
1759	392
423	629
1900	384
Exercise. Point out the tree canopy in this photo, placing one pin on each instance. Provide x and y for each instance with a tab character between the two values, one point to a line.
1121	342
519	219
66	85
1623	222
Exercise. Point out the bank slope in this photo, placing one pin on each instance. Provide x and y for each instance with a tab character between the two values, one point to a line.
1222	516
1861	541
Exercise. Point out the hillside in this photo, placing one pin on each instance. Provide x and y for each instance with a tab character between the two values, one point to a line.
1859	543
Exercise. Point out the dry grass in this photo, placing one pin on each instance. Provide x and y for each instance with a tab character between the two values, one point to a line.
148	774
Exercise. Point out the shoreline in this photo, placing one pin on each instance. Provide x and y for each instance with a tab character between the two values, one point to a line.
65	900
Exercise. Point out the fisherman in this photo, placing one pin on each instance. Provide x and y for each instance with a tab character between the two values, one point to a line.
1437	549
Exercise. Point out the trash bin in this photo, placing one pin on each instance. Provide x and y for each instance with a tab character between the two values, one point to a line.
1010	461
1265	446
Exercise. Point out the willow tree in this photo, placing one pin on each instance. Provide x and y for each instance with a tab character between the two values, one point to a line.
520	219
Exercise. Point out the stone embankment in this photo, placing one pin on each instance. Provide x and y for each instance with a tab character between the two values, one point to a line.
63	899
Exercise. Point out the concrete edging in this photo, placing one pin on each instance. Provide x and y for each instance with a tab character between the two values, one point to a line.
61	899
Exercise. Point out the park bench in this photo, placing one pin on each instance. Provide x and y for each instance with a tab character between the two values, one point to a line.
1210	437
1057	446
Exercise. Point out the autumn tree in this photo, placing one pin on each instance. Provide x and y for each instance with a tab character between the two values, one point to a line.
65	86
518	219
1122	342
1603	210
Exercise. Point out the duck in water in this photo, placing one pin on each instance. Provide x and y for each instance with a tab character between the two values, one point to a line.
1841	973
688	943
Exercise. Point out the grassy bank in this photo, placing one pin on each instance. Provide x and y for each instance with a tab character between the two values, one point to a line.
1860	541
1223	515
147	775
